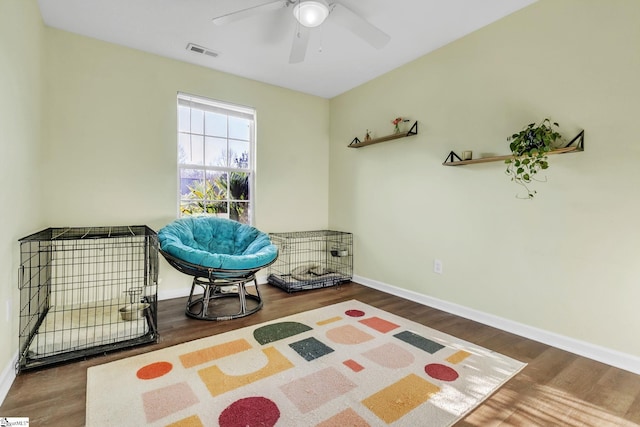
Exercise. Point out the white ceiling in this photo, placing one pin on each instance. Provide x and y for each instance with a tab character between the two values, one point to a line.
258	47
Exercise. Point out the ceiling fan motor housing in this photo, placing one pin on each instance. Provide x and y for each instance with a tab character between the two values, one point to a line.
311	13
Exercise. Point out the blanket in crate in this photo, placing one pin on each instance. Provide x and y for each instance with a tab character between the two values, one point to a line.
79	326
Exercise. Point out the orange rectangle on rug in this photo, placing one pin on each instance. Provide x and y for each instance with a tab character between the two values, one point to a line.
393	402
208	354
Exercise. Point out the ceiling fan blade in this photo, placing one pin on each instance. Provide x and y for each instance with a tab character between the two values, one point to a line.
250	11
299	46
359	26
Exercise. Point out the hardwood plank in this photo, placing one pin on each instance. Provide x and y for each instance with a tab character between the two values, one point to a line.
556	388
633	413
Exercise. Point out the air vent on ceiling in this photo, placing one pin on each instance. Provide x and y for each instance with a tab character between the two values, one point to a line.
202	50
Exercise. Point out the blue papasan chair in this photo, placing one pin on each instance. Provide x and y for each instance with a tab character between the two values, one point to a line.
222	256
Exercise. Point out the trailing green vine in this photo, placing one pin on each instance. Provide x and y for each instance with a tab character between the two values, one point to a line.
529	149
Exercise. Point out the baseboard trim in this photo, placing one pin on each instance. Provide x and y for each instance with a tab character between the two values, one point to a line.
601	354
7	377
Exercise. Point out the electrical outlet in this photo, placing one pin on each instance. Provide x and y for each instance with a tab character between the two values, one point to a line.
437	266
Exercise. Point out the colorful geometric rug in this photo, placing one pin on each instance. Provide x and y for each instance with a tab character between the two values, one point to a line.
348	364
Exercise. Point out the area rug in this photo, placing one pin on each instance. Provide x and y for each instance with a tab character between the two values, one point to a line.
347	364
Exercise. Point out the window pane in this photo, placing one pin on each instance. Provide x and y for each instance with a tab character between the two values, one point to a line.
239	128
215	124
217	196
239	211
191	184
197	150
218	183
219	209
239	186
239	154
191	207
197	121
184	120
215	151
184	148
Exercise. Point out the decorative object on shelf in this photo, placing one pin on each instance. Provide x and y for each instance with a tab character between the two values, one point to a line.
467	155
396	123
529	149
367	136
356	143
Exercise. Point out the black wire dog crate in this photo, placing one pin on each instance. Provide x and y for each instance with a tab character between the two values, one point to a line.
85	291
311	259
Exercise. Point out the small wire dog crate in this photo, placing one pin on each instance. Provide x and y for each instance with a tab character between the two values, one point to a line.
311	259
86	290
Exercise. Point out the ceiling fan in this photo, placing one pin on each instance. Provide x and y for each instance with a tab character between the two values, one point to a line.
310	14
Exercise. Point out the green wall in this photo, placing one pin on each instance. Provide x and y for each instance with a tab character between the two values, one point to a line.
111	141
21	46
565	262
111	137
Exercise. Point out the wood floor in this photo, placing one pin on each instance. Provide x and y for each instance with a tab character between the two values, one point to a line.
557	388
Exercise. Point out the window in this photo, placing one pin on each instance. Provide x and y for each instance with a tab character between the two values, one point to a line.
216	145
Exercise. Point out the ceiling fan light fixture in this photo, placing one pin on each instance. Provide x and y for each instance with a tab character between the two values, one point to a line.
311	13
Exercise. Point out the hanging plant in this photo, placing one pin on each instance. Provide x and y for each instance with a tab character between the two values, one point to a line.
529	149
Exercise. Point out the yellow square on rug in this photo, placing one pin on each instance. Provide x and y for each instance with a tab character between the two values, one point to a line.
348	364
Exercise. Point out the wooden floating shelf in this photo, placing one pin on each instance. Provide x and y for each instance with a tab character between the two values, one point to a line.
498	158
356	143
570	148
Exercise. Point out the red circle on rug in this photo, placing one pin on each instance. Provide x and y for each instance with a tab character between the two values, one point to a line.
354	313
441	372
250	412
154	370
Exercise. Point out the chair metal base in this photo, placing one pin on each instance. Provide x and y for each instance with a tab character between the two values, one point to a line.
209	306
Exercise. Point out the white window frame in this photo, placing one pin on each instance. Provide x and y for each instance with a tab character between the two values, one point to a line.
230	110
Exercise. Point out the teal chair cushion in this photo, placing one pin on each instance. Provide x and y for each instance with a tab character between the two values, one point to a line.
219	243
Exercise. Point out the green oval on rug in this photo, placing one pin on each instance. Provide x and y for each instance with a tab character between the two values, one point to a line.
279	331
